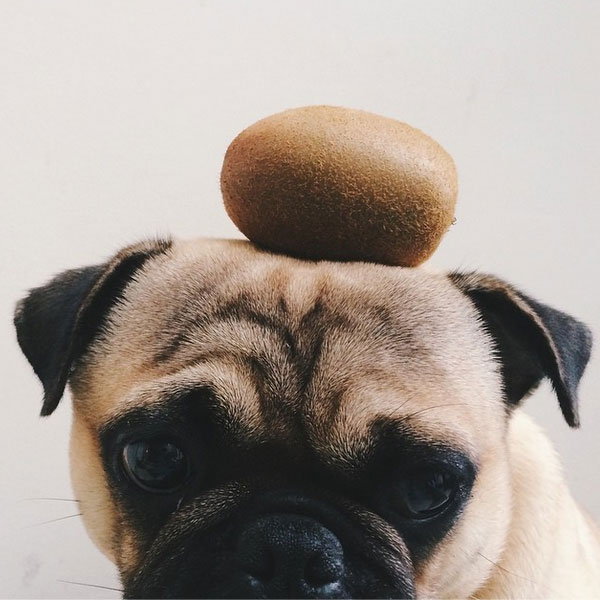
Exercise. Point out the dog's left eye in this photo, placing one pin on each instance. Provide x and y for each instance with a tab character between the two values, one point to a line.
424	494
156	464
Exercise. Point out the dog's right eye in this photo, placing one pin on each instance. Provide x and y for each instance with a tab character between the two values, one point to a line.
156	464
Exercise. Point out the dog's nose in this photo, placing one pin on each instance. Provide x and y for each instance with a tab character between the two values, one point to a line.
291	556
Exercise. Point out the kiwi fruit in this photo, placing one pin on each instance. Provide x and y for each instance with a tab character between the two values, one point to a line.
332	183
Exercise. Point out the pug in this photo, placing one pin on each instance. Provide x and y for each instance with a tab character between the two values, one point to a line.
250	425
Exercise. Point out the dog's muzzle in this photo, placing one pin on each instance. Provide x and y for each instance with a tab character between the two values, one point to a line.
276	545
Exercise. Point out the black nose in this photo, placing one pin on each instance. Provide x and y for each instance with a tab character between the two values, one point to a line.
291	556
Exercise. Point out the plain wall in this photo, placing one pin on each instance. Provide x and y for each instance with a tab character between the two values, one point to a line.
114	118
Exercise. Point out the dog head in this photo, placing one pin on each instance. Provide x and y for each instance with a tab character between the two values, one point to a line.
252	425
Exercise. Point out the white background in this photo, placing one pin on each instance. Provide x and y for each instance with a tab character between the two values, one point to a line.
114	118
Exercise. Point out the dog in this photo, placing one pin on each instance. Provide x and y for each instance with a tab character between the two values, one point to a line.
250	425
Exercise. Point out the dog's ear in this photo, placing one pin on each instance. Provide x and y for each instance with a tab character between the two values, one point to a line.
532	340
56	322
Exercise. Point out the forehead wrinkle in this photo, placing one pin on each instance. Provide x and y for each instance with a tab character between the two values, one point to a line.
258	325
237	338
239	320
249	345
358	355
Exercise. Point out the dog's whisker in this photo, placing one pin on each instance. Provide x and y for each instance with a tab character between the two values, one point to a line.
54	520
422	410
399	408
504	570
93	585
55	499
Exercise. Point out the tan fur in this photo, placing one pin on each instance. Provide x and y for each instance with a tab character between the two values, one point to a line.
90	486
521	534
544	516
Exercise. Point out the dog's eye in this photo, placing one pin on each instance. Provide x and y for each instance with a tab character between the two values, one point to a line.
424	494
156	464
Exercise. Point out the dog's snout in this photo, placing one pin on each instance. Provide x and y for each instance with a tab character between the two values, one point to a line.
292	556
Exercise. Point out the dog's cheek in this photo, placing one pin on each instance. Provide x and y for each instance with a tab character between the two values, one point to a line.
91	488
463	562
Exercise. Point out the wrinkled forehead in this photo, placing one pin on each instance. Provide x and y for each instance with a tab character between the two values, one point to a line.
281	341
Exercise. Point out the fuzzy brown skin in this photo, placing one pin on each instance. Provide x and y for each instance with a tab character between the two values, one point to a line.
332	183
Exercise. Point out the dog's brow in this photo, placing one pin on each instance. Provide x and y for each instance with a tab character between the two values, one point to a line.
175	407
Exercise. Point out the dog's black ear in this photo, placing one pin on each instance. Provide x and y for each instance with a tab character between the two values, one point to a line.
532	340
56	322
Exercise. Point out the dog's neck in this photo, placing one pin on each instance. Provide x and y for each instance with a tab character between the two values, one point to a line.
553	549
